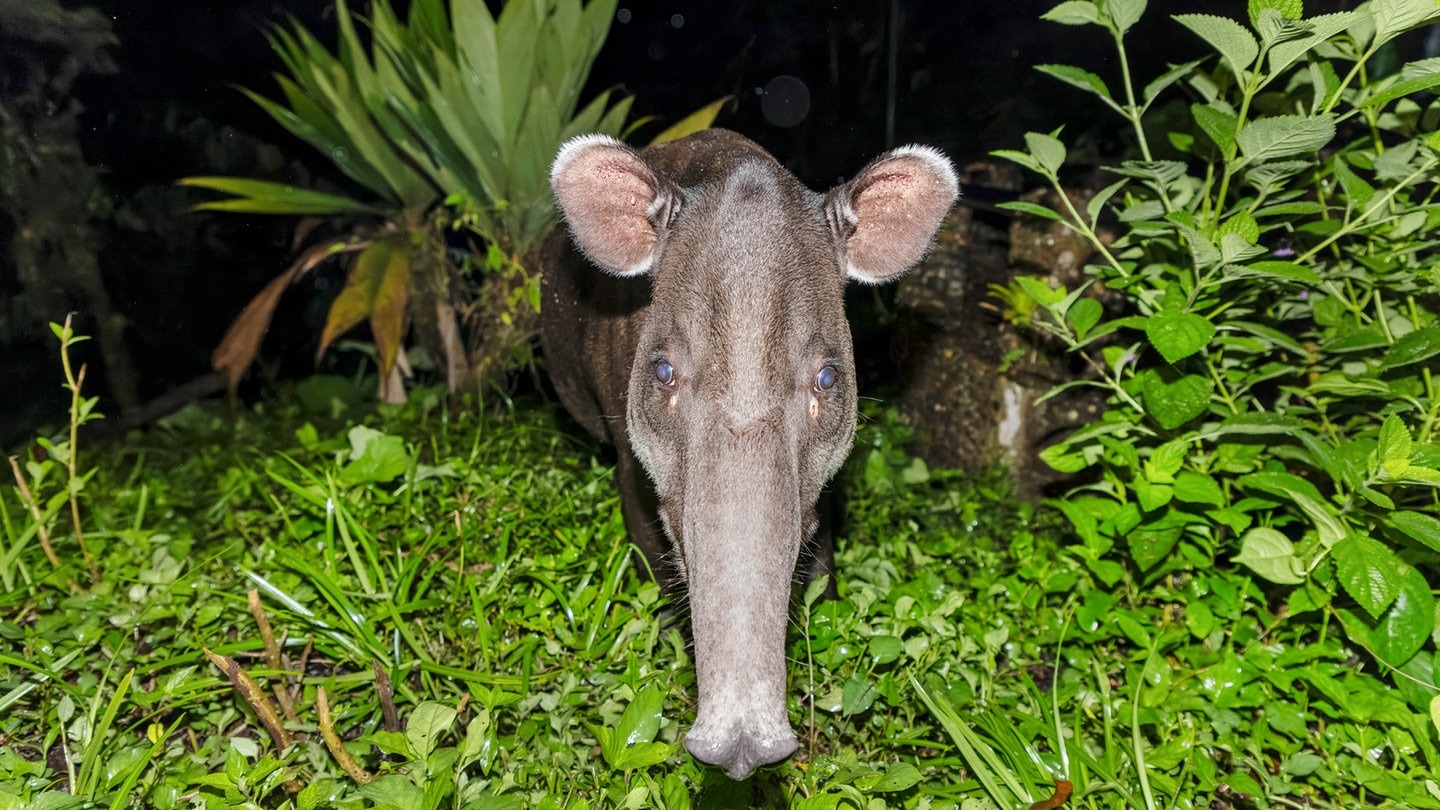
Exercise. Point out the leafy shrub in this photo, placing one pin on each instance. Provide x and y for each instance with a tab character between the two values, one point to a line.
457	108
1270	363
440	603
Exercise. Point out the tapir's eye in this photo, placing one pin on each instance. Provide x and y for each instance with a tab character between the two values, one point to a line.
825	380
664	372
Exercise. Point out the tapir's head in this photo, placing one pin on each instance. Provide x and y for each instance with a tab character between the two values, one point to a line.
742	392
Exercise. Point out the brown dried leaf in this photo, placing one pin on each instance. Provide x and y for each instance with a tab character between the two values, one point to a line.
242	340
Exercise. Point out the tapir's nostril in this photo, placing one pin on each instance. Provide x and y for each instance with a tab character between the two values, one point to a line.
741	753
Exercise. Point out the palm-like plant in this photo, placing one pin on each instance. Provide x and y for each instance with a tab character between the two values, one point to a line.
448	118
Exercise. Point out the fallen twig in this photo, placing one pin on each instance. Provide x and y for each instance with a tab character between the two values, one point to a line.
332	741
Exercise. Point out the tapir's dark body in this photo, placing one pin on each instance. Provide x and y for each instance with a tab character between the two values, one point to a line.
715	355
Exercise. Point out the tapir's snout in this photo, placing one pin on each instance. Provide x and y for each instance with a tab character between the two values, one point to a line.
740	752
742	531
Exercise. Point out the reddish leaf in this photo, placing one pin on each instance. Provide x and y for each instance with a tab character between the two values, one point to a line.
1062	792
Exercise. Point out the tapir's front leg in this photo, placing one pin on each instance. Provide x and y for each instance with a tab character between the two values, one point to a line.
642	520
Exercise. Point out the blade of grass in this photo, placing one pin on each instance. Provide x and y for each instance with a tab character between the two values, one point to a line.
978	756
90	780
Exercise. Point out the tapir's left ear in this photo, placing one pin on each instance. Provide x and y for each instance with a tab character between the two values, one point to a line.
617	207
886	216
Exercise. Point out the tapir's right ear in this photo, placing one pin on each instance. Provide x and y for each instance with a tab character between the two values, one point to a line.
617	207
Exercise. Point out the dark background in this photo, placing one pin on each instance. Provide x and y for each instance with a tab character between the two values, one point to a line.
962	79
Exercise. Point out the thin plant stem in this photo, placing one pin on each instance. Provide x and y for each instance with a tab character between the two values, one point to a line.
40	530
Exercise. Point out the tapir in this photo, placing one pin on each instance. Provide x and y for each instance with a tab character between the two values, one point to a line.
705	337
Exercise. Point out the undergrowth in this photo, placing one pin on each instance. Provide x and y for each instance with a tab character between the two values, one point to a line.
448	598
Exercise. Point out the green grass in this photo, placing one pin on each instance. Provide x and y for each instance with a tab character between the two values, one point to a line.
477	565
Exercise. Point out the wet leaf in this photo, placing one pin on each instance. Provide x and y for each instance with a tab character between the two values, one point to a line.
1178	335
1173	398
427	722
1408	623
1368	571
1270	554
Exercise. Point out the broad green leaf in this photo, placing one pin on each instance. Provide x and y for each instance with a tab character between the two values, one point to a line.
1173	399
1219	125
885	649
393	790
1073	12
1043	293
1083	315
900	776
1422	344
1361	341
479	740
1016	156
1178	335
1124	13
1203	252
1048	151
377	458
1236	248
641	720
1393	17
1166	460
1243	225
1408	623
1151	497
1267	177
1369	572
1395	442
1062	459
1303	208
642	755
1418	526
1284	135
1194	487
1260	424
1133	629
1226	36
1076	77
1304	495
1357	191
857	695
1159	172
426	724
1318	30
1270	554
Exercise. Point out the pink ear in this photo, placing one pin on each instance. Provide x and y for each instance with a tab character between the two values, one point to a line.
887	215
612	202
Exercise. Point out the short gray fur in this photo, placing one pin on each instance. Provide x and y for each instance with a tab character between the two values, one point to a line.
714	353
